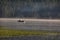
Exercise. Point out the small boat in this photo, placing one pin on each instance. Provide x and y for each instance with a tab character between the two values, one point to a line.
20	20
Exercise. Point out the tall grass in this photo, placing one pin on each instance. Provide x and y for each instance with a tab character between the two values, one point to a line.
9	32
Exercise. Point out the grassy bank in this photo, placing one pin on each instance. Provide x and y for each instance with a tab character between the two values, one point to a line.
8	32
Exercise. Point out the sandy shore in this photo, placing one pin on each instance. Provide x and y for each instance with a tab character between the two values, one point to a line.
29	19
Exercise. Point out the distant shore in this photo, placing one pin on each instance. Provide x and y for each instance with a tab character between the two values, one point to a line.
30	19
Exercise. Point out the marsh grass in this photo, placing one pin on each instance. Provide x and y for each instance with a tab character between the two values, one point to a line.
11	32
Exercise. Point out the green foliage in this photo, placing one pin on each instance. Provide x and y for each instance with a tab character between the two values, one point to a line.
26	32
30	8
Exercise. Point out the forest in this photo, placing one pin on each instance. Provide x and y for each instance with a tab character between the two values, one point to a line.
30	9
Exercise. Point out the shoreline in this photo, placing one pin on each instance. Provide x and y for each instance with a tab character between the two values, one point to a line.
30	19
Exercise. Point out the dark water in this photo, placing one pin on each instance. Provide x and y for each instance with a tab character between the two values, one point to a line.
56	37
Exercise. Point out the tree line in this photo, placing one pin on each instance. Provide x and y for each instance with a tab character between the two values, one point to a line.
30	8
